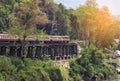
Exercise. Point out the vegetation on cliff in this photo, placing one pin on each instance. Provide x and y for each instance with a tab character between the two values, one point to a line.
88	23
25	69
91	65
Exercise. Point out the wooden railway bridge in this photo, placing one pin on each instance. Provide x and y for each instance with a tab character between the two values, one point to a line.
55	48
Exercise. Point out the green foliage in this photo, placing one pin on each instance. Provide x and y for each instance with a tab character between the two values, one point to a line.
8	4
23	1
1	77
54	72
65	74
29	15
16	69
75	70
19	31
63	20
58	15
91	64
91	24
5	19
82	23
6	9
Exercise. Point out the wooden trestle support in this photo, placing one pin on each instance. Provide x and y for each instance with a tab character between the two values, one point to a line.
38	50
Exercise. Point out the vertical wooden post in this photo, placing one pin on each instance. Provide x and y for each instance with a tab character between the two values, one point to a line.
44	50
10	54
74	47
37	52
30	52
41	52
64	51
15	50
68	55
7	50
0	50
34	50
12	51
50	51
76	52
70	50
60	51
3	50
19	51
53	52
47	50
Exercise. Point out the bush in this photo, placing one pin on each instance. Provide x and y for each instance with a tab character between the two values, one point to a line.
91	64
16	69
53	72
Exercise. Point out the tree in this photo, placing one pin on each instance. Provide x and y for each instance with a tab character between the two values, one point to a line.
117	26
6	9
58	16
63	20
50	8
91	64
91	3
93	24
84	22
28	14
19	31
105	28
5	19
6	13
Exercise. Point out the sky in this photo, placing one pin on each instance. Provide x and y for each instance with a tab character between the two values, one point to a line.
113	5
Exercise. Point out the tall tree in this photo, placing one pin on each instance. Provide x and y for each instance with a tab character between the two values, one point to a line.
105	28
28	14
95	25
50	8
63	20
58	16
84	22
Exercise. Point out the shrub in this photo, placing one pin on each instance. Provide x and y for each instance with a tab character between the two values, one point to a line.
91	64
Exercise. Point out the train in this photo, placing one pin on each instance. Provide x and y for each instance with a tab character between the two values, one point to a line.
57	47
